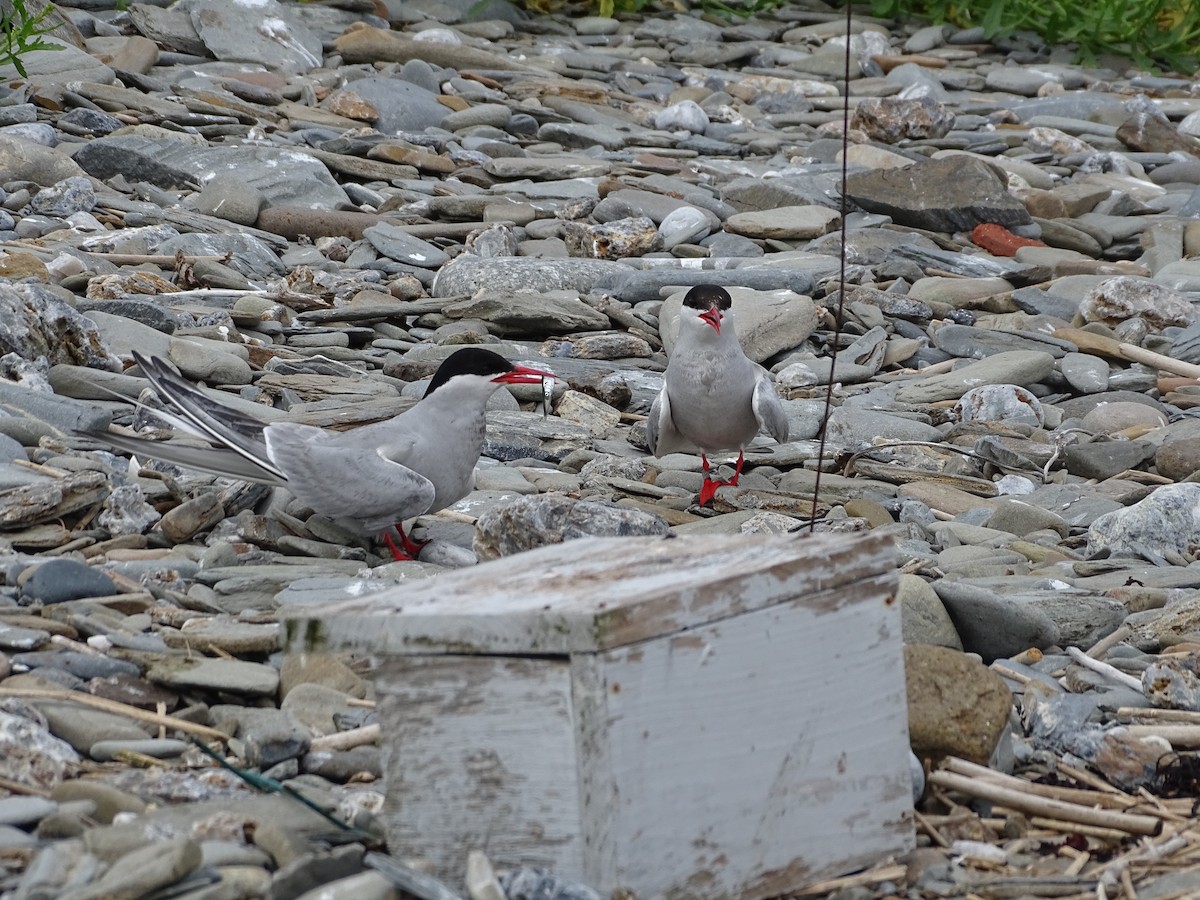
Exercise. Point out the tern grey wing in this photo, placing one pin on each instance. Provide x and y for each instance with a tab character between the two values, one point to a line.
660	413
241	433
341	477
768	410
214	460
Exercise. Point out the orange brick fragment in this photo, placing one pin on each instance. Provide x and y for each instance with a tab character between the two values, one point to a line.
999	241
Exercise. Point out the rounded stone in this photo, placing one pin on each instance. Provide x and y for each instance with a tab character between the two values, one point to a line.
683	225
1102	459
784	223
319	668
956	705
71	195
1164	522
876	514
686	115
1000	403
1021	519
1085	373
1178	459
1109	418
21	811
108	800
923	618
1125	297
60	580
230	198
992	624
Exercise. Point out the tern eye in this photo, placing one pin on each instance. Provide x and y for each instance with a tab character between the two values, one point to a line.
724	301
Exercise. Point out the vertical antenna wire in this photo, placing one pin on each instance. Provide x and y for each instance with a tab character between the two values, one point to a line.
837	318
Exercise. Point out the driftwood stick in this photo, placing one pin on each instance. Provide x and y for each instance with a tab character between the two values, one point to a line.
344	740
1012	674
455	516
1102	646
1176	735
873	876
1147	714
1109	672
1148	852
16	787
1168	814
1114	349
113	706
1103	834
1127	884
1065	794
930	829
1085	777
1131	823
1081	859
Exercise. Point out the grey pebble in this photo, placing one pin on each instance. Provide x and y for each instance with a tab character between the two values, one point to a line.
995	625
60	580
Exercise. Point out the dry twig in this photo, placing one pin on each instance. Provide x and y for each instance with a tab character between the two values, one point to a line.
112	706
1033	804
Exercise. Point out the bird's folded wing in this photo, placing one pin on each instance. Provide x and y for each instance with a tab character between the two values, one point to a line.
768	410
241	433
658	409
338	475
214	460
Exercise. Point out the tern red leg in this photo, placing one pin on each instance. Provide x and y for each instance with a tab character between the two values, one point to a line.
737	472
708	489
408	549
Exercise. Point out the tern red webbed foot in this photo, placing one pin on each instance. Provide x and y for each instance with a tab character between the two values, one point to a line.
408	551
708	490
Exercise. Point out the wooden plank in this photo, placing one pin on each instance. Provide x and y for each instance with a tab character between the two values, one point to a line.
591	594
480	755
790	721
597	787
1090	342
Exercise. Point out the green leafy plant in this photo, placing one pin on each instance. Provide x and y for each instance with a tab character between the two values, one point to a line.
21	32
1153	33
740	8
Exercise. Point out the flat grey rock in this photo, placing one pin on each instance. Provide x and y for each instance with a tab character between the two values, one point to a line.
994	625
466	274
268	33
283	177
952	194
1017	367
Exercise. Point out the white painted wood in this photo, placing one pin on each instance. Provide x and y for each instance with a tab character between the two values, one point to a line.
589	594
754	755
702	718
480	755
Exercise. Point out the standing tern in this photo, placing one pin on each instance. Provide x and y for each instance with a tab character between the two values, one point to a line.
713	397
375	476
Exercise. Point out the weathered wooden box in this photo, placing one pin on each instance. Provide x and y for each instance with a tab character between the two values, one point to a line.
707	717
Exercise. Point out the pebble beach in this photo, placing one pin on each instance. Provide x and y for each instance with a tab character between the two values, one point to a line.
306	207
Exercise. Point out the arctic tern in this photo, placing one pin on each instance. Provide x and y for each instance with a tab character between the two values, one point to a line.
713	397
373	477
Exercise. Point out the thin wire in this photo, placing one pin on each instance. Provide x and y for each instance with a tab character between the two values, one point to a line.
837	318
